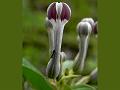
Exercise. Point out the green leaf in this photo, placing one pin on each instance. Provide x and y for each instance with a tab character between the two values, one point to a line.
31	74
83	87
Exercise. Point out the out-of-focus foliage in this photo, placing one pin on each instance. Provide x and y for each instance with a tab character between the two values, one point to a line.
35	40
34	76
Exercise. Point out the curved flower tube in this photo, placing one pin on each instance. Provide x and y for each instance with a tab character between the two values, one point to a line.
84	29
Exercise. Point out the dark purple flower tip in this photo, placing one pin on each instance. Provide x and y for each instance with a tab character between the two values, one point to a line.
95	29
51	12
59	11
66	12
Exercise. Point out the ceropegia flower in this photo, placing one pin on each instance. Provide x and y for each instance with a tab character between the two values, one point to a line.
84	30
58	14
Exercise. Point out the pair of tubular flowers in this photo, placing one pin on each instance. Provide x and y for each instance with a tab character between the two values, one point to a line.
58	14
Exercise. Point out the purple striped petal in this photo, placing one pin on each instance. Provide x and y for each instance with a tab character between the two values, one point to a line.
61	14
66	13
52	11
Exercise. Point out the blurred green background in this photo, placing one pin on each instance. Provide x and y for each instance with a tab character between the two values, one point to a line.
35	38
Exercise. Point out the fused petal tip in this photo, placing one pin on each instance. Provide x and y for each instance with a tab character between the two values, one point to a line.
51	11
90	21
84	28
59	11
66	12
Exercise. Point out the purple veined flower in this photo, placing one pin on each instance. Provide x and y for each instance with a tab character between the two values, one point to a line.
84	30
58	14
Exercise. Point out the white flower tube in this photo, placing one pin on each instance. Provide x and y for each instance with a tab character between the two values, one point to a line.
84	29
58	14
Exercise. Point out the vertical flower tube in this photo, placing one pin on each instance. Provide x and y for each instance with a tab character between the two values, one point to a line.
84	29
58	14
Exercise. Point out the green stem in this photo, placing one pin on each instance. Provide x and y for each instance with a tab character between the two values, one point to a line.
66	77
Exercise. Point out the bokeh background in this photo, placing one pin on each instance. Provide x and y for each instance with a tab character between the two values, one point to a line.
35	37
